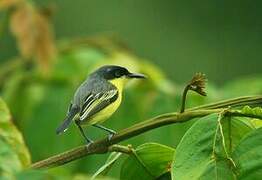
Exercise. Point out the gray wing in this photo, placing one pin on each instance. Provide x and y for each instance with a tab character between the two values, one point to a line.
94	95
96	102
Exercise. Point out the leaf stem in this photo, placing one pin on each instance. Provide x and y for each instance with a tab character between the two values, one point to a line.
184	99
119	148
197	84
230	135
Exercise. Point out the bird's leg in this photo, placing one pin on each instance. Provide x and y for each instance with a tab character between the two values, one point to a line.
88	140
110	131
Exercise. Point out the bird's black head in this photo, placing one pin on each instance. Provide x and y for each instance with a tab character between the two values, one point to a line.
110	72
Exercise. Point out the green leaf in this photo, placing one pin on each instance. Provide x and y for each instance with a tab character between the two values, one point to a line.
248	157
113	157
201	153
252	111
256	123
148	161
256	111
156	157
14	155
165	176
132	168
234	129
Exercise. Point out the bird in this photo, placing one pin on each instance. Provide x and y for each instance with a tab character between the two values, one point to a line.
97	98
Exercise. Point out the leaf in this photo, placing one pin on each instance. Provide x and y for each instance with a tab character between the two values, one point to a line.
155	157
113	157
256	111
149	161
33	34
4	4
252	111
201	154
248	156
256	123
166	176
132	168
14	155
234	129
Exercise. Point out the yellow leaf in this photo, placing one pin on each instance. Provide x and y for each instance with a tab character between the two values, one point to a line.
34	35
5	4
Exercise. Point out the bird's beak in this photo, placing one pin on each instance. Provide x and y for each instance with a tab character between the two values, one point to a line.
136	75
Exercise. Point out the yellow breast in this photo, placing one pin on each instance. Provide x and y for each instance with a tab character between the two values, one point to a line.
104	114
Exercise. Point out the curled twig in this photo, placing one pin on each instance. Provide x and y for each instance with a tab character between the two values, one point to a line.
197	84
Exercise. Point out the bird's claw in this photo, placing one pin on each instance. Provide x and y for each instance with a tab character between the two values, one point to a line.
111	135
88	143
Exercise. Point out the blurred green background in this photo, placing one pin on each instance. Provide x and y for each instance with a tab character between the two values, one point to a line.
167	40
220	38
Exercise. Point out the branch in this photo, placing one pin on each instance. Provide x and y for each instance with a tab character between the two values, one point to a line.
104	145
235	102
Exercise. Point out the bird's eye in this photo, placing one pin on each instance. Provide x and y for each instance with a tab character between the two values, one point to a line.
118	74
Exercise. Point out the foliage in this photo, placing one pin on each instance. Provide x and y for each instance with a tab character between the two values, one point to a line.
37	101
217	145
112	158
14	155
205	150
37	86
148	161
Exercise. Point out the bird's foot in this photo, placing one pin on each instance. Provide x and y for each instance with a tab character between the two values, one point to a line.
111	135
88	141
89	144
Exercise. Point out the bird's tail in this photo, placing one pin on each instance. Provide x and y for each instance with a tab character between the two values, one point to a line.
63	127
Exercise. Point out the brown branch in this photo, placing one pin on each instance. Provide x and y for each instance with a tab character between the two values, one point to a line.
103	145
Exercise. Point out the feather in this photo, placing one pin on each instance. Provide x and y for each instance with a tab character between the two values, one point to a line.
71	114
97	103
